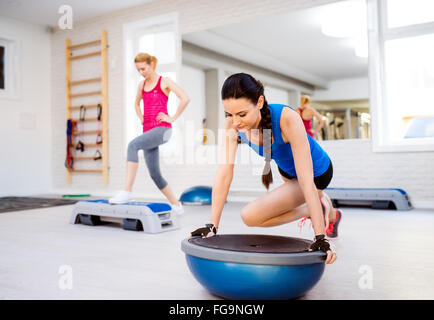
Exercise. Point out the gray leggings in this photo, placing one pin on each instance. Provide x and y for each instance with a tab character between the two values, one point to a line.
149	142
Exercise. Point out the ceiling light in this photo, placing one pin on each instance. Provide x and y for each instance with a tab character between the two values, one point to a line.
347	19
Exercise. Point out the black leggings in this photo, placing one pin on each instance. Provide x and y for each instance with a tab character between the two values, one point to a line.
321	182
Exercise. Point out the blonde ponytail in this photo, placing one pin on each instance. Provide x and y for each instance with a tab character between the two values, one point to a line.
145	57
303	100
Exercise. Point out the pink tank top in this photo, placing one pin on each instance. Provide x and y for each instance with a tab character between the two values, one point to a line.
154	102
307	123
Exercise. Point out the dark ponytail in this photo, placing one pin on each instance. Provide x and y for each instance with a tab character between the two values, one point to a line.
242	85
265	126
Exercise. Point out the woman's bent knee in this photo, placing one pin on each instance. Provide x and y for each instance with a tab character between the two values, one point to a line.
132	152
159	181
249	217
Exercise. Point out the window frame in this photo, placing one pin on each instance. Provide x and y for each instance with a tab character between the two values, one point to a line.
12	68
378	34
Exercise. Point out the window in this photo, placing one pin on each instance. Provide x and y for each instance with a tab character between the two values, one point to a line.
401	39
409	71
402	13
9	75
161	45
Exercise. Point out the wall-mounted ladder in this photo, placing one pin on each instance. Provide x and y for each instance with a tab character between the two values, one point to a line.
102	104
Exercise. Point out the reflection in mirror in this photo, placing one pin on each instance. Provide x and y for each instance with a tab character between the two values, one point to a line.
347	119
320	52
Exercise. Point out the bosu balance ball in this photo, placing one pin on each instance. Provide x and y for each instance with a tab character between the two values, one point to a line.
242	266
199	195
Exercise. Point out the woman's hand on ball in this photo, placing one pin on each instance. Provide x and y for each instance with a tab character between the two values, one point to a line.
324	245
205	232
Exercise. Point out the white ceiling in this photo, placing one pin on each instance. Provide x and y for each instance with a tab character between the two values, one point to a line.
45	12
290	43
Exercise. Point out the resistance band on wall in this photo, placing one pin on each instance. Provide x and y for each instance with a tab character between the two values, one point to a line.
80	145
98	155
69	162
99	134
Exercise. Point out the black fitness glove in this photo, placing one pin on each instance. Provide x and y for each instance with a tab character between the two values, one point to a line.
205	231
320	244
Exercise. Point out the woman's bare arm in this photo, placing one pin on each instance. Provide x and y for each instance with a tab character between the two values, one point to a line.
223	177
137	103
293	129
182	96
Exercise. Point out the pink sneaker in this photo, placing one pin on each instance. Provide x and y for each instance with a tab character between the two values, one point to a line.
332	230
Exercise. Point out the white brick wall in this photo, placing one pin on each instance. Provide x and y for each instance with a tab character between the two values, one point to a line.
355	164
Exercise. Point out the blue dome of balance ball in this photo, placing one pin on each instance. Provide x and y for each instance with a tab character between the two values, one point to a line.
199	195
242	266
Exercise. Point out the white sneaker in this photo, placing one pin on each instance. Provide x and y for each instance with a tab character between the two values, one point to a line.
122	197
178	210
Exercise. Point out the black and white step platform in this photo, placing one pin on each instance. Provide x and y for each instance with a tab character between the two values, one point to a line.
377	198
151	217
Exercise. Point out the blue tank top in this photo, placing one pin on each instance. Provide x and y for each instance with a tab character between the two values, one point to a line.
282	152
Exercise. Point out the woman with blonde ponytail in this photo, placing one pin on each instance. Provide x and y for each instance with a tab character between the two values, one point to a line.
307	113
276	132
157	128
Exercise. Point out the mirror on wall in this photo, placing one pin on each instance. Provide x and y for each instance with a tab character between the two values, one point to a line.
320	52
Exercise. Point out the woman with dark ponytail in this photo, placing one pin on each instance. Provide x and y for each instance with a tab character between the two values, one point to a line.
275	132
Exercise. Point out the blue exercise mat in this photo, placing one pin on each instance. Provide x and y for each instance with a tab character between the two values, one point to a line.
155	207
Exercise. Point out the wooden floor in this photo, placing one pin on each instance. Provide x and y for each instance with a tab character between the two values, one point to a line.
107	262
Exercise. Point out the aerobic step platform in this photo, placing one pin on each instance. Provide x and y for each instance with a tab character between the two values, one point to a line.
376	198
147	216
